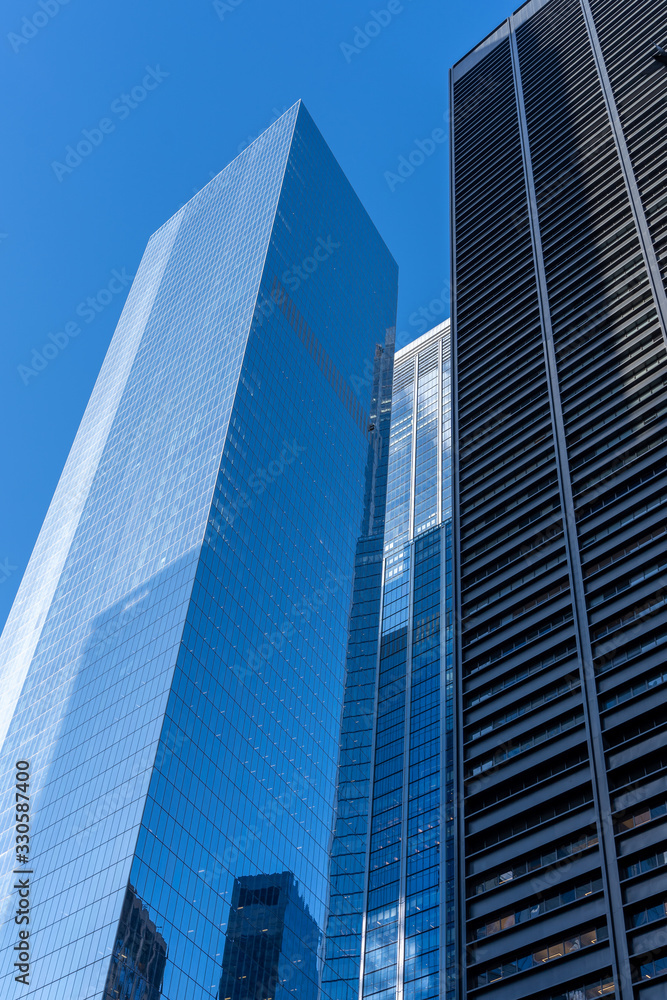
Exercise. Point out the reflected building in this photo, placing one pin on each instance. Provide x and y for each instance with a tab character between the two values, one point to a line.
272	942
174	662
559	140
139	956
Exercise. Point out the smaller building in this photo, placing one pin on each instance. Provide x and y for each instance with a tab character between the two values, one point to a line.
410	869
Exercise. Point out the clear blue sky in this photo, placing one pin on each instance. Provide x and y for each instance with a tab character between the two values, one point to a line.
231	68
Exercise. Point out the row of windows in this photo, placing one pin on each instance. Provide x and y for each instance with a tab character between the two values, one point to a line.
625	583
492	596
644	815
500	651
592	991
650	605
645	865
527	670
651	913
511	750
529	960
549	810
632	690
517	612
539	860
635	649
527	706
649	970
538	908
613	557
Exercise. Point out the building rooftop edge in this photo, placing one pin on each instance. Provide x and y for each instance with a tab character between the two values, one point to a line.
489	40
299	103
420	342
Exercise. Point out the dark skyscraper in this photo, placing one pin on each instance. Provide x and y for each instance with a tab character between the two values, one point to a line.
559	145
174	663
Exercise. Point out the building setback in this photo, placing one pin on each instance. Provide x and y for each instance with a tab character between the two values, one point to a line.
559	140
177	649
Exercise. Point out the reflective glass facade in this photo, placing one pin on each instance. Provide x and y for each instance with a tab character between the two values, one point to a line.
407	946
177	650
350	836
559	137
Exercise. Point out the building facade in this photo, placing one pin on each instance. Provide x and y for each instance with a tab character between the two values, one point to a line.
559	138
346	905
177	648
406	944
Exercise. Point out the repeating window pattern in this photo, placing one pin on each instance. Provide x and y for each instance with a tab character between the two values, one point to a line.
103	666
542	859
192	662
409	920
400	457
549	902
558	132
427	443
340	975
555	950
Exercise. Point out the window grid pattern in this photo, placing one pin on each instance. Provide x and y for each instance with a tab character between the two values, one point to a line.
606	375
427	443
400	457
104	662
405	929
185	787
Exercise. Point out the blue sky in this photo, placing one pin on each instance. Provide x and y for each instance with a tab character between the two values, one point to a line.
213	74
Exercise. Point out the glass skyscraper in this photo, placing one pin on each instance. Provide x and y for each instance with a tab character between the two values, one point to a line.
175	658
559	143
393	848
340	671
